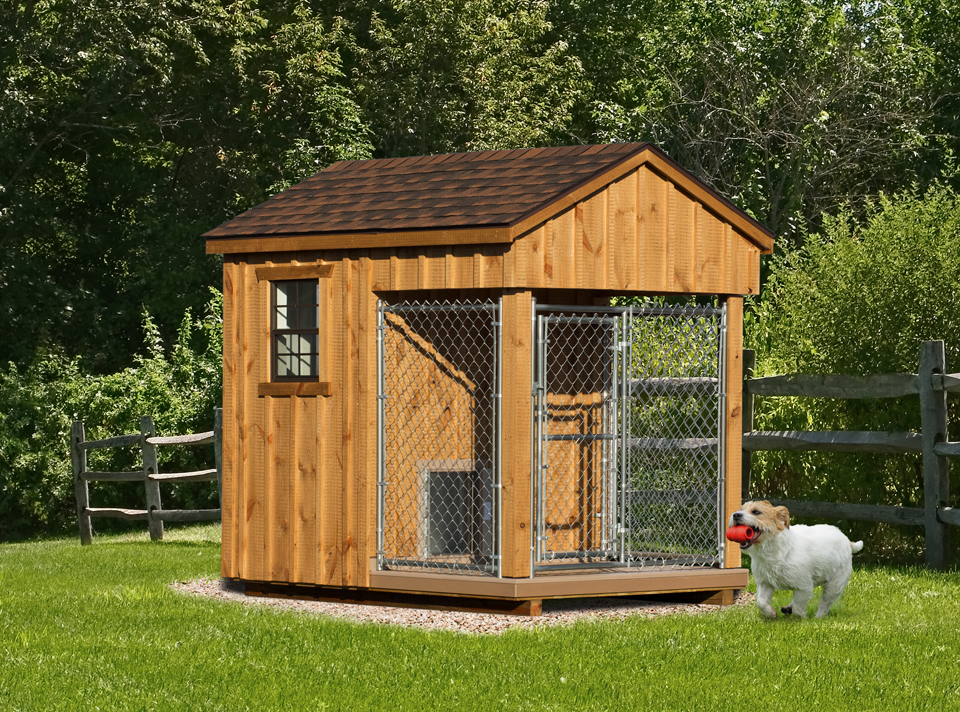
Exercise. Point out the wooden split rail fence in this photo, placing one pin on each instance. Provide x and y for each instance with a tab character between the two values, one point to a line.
932	383
154	514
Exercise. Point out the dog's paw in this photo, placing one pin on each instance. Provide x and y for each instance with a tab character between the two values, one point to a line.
787	610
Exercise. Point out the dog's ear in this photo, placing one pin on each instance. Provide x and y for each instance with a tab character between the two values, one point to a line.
782	516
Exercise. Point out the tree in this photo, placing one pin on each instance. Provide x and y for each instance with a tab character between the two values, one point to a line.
178	387
132	127
437	76
790	108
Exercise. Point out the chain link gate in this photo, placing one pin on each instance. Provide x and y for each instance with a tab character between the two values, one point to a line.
673	436
578	459
438	506
629	437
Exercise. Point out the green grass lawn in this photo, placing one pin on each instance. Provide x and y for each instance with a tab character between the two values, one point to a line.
98	628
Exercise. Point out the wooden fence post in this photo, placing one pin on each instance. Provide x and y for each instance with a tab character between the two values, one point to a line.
936	469
79	456
218	450
150	467
749	364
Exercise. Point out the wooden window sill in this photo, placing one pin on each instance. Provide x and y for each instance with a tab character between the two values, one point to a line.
302	388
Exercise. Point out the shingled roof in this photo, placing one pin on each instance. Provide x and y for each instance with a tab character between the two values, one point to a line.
450	192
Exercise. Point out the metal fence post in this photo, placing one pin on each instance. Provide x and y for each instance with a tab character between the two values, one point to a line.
381	436
150	467
936	469
749	364
79	456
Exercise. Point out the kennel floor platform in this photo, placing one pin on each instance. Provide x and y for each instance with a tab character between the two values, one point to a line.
520	596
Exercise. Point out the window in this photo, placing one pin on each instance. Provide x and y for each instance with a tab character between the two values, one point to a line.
295	330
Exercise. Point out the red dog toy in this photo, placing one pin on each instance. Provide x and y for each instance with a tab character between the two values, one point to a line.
741	534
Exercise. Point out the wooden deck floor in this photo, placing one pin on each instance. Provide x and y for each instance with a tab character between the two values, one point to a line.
520	596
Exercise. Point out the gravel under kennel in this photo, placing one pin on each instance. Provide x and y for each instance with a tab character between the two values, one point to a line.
555	612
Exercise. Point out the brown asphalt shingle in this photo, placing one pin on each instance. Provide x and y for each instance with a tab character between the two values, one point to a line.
451	191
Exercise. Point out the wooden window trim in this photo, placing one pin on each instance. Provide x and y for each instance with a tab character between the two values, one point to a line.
284	272
295	388
275	332
307	389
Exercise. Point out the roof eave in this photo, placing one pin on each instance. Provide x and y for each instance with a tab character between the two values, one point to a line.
357	240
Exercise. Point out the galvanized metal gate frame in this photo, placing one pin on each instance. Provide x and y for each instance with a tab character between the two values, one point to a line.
487	468
550	319
615	550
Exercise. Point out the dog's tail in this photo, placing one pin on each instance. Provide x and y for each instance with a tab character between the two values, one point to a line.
856	546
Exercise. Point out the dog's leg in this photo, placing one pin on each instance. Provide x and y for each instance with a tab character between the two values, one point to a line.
788	609
801	597
831	592
764	598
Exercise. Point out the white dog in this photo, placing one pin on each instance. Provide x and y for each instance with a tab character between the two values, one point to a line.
796	558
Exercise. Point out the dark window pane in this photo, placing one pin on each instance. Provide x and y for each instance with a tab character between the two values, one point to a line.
307	317
309	292
296	342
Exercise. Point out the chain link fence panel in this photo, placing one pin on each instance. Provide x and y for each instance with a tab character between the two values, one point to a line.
439	373
628	437
673	389
576	492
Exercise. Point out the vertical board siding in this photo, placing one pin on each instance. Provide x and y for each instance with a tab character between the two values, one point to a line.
734	416
351	359
623	257
654	214
564	245
549	242
365	509
254	431
329	427
233	384
710	241
305	522
515	433
683	242
281	418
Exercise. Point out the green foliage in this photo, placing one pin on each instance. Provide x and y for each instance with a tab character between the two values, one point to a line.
38	405
789	108
129	129
434	76
132	127
858	299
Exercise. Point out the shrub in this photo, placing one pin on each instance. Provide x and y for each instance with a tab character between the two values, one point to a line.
178	389
859	298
